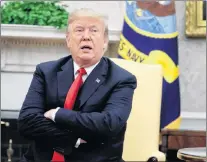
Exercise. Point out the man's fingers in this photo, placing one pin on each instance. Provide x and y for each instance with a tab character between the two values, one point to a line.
82	141
46	114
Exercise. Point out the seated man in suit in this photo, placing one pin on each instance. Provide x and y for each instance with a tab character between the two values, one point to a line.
77	107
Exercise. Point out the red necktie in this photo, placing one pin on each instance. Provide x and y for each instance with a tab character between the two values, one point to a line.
69	103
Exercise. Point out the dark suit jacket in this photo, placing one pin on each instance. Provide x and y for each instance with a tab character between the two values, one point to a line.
99	115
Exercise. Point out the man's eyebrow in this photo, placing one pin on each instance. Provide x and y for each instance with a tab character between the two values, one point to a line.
93	26
78	26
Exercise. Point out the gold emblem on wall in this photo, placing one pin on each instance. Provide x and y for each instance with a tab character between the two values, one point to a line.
196	19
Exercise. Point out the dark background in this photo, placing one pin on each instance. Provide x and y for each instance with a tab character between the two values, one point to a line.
204	10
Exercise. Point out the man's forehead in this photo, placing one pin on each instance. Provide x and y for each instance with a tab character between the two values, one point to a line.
89	21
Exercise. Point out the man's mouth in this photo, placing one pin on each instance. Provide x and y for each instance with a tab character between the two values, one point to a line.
86	47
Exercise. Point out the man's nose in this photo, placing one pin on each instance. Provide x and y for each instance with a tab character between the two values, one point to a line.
86	35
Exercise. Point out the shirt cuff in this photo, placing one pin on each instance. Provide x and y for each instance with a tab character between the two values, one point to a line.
77	143
54	113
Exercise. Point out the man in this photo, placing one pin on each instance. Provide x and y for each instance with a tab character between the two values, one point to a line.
85	124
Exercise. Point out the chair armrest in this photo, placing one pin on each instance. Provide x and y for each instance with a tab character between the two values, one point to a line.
157	157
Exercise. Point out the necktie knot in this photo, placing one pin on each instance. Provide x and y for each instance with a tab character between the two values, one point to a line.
82	71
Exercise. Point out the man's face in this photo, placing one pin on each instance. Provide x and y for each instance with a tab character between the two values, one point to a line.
86	40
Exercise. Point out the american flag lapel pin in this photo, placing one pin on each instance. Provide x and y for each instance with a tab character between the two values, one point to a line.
97	80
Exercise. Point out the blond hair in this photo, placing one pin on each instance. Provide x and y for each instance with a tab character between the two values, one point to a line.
87	12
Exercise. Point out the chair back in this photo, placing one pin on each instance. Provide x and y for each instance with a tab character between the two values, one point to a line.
143	126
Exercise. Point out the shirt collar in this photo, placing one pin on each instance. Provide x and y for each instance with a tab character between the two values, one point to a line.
88	69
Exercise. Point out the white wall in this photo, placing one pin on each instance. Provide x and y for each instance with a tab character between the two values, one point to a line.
14	87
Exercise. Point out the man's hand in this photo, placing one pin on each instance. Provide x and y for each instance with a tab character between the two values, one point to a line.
50	113
82	141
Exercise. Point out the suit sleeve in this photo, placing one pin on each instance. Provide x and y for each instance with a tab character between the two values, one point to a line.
31	122
111	120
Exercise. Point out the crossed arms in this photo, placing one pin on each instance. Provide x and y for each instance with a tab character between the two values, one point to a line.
33	125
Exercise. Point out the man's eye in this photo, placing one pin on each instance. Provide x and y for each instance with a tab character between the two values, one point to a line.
78	30
94	30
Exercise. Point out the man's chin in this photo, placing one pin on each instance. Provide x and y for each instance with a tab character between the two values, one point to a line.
86	57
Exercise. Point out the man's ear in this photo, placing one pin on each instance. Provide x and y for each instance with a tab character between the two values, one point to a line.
106	41
105	45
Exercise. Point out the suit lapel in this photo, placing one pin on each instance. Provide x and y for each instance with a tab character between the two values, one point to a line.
93	81
65	78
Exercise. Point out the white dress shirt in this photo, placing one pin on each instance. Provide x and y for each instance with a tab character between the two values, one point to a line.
84	77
